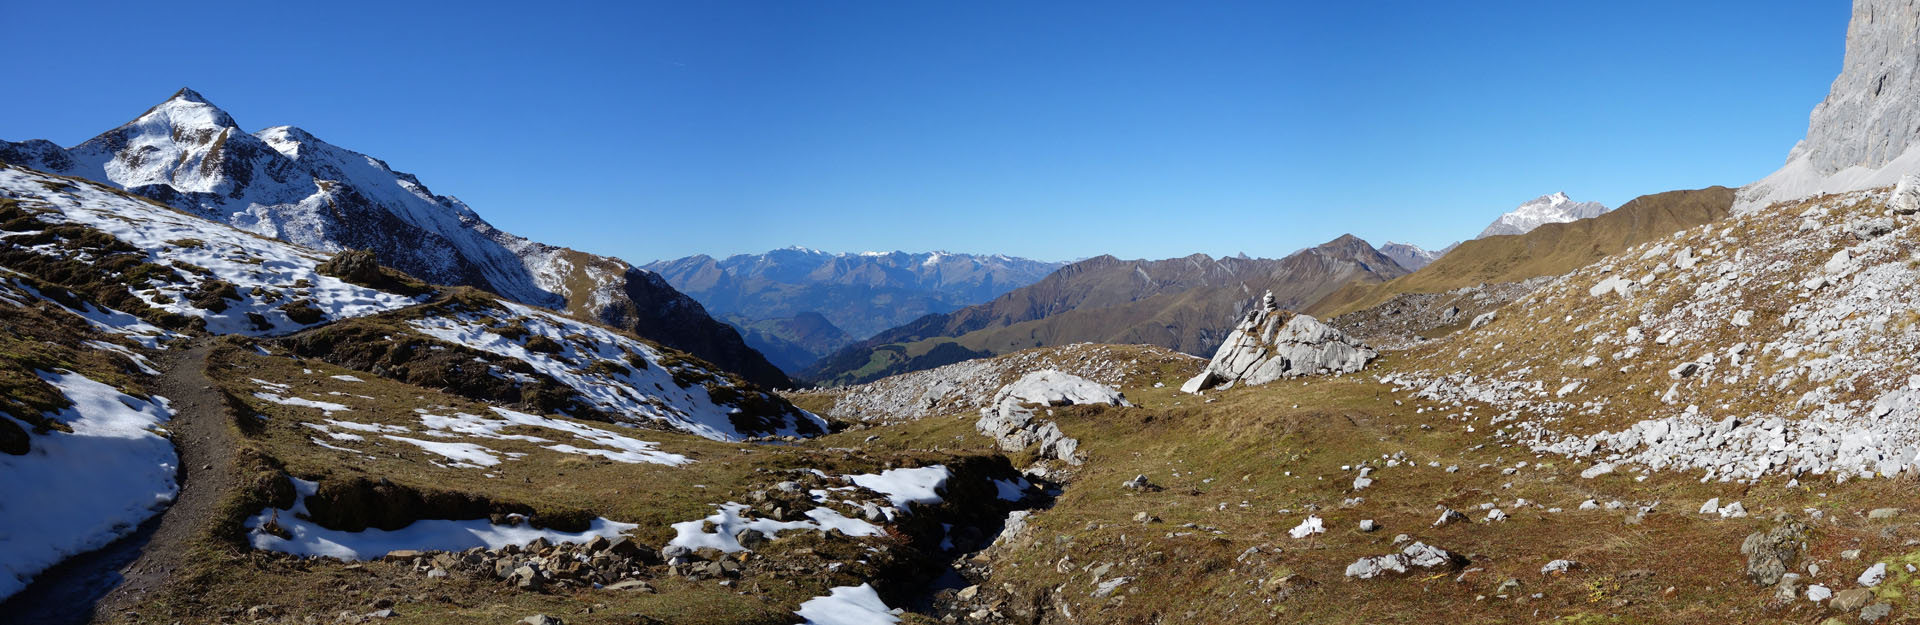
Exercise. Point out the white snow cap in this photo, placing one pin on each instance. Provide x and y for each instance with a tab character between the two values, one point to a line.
1547	209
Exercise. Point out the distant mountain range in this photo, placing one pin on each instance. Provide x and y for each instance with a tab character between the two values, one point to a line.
284	183
1547	209
1187	304
774	297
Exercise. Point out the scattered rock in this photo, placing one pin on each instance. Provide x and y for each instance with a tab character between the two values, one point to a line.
1312	525
1883	513
1875	612
1771	553
1873	575
1850	600
1559	567
1449	517
1871	228
631	585
1416	555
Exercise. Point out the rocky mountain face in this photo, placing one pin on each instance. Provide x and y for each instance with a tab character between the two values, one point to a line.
284	183
1186	304
862	294
1546	209
1862	135
1412	257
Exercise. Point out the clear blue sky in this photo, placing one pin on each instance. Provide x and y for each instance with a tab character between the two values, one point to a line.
1054	130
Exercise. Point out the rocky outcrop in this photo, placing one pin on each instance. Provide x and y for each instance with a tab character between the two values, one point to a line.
1271	344
1862	135
1013	422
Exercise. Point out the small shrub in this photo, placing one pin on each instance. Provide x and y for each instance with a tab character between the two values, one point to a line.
212	295
303	312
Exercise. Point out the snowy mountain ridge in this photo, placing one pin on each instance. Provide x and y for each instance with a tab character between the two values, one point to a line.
1547	209
282	182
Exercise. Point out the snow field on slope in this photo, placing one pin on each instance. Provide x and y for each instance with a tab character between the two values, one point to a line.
310	539
586	440
647	393
76	492
245	260
101	318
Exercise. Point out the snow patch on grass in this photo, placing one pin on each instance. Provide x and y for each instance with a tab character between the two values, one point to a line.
728	523
649	392
466	455
310	539
848	605
324	406
906	486
76	492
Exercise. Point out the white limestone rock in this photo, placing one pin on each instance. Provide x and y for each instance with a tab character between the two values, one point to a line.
1416	555
1906	196
1272	344
1011	418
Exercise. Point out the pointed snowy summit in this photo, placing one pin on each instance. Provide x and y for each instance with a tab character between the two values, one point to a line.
187	94
1547	209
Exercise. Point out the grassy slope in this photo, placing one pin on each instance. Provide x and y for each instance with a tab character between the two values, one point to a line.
1549	250
1233	464
223	576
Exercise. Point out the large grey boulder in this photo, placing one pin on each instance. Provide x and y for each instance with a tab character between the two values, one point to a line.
1271	344
1906	196
1013	421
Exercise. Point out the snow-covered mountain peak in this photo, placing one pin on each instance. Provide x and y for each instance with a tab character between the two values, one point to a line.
187	109
187	94
1551	208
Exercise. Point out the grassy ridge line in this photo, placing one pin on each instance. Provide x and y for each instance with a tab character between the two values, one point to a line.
1549	250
